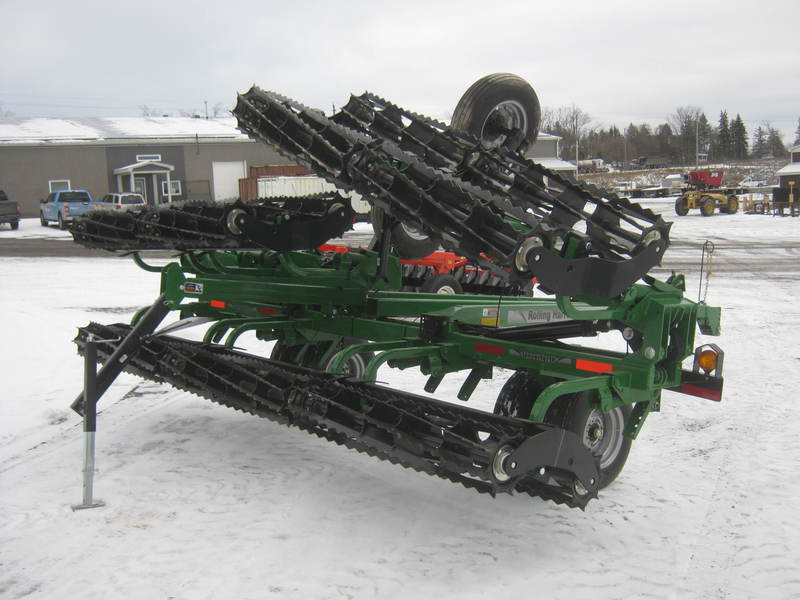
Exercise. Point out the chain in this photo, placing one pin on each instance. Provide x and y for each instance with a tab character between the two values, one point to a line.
708	251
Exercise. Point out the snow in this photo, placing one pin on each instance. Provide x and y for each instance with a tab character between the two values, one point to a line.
32	229
204	502
47	130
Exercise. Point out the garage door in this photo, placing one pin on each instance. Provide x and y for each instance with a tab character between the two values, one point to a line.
226	178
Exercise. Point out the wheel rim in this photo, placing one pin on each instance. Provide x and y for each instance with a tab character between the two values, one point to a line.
498	464
353	366
506	122
414	232
446	289
602	434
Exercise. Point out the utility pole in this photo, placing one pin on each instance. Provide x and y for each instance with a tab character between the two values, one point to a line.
206	104
577	169
697	143
624	150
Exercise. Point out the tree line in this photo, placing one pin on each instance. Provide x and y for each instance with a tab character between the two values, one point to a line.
686	133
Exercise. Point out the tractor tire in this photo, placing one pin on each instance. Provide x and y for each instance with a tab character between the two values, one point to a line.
443	283
42	220
681	207
355	366
408	242
733	205
600	432
707	206
502	111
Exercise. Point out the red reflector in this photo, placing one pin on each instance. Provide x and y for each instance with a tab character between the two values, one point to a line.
218	304
701	392
593	366
490	349
268	311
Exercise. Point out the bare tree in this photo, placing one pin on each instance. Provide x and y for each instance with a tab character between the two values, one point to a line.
220	109
571	123
4	114
146	111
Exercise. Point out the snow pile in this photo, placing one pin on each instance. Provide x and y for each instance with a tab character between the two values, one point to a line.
204	502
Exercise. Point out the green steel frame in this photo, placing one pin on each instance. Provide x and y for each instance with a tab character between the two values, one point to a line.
306	298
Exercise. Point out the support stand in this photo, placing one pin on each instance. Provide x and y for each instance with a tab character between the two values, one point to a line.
95	385
90	397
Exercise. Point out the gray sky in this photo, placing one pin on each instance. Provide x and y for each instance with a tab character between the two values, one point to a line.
618	61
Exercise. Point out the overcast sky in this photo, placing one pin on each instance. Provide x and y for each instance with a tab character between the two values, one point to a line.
621	62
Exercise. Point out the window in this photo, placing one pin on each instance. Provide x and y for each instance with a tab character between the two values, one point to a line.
145	157
175	188
59	184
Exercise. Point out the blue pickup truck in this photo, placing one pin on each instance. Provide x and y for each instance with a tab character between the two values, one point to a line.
62	206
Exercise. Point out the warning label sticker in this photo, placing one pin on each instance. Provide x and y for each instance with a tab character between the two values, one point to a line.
190	287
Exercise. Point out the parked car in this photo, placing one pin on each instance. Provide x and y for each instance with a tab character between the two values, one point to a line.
124	201
62	206
9	211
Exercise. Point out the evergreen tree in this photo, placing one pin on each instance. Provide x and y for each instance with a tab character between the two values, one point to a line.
739	138
724	146
665	141
774	143
704	135
759	147
797	134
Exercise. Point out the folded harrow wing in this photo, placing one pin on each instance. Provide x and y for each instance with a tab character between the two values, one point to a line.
562	425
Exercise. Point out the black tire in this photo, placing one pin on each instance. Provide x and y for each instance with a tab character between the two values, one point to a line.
354	367
501	110
681	207
61	223
733	205
707	206
42	220
443	283
14	225
601	432
407	241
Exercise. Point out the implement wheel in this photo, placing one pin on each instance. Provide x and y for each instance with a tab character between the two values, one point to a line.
355	366
733	205
443	283
601	432
681	207
707	206
501	110
408	242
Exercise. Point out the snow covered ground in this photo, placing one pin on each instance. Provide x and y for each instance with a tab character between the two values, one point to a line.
204	502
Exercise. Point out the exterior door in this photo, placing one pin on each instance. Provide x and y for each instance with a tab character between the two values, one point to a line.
140	187
226	176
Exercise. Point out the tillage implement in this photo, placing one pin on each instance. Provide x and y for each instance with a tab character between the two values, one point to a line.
562	425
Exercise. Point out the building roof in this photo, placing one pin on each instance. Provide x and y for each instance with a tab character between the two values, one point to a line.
790	169
543	135
554	164
88	130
